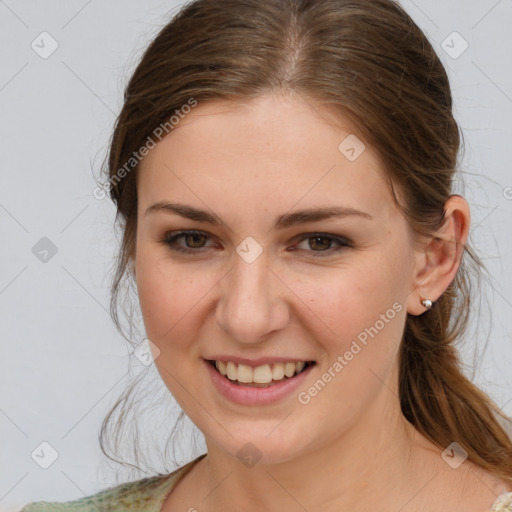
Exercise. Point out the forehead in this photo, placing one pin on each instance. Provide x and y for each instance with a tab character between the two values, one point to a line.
271	152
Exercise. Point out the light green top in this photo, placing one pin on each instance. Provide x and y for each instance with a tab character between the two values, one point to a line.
503	503
149	494
146	495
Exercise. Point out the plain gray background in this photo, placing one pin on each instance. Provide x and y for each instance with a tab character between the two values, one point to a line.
62	362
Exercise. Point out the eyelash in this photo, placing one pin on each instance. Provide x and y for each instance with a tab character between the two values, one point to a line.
171	238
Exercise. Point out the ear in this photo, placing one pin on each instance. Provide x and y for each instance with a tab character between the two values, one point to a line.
437	262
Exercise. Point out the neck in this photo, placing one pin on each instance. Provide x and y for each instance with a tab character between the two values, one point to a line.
375	462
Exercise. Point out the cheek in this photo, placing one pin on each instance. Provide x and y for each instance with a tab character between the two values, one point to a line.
378	310
358	313
168	298
345	300
378	306
364	310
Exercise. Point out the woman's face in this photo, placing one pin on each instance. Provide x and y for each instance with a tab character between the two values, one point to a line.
258	287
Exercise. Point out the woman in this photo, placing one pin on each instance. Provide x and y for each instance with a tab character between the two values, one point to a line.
283	176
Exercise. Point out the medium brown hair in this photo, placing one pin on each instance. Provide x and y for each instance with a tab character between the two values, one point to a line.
374	67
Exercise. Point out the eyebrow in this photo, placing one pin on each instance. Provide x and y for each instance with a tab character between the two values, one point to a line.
284	221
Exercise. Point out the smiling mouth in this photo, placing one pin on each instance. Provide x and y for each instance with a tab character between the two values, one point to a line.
261	376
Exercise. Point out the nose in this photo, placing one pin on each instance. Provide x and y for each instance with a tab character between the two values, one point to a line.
252	303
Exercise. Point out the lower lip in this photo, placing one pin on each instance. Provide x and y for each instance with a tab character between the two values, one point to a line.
246	395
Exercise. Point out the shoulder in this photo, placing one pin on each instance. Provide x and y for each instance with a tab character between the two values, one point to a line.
146	494
138	495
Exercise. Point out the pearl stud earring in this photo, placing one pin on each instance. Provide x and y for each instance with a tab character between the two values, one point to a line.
426	303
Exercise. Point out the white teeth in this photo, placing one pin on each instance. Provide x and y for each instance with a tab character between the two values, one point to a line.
244	373
264	374
221	366
278	371
231	370
289	369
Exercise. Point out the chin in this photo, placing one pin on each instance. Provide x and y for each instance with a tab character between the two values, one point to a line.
256	447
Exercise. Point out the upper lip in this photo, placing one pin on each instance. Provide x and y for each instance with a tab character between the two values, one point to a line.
260	361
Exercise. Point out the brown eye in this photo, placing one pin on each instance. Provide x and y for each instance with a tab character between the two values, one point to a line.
194	241
321	244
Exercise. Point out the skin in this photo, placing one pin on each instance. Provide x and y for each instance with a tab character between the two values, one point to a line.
250	163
